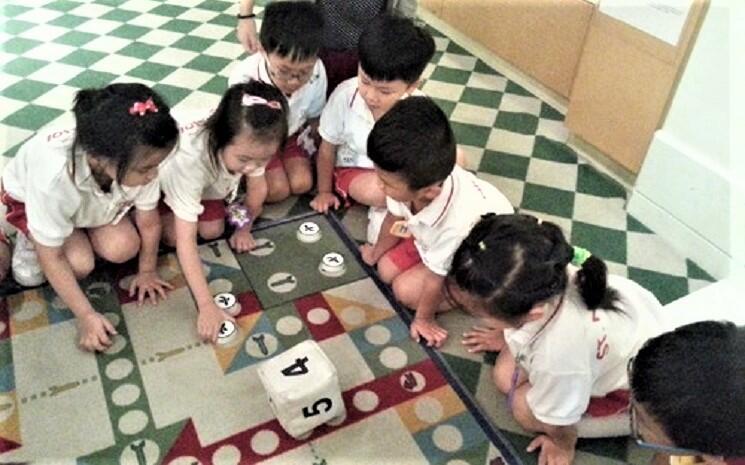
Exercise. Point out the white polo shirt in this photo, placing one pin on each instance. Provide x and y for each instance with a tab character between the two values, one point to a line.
305	103
346	122
188	177
440	227
580	353
58	201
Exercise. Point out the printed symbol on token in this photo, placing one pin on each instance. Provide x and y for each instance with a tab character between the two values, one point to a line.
412	381
224	300
282	282
308	232
332	265
263	247
227	329
261	345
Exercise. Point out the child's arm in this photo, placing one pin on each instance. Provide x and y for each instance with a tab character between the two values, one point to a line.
386	241
246	30
424	324
325	169
147	282
256	190
210	316
557	445
93	328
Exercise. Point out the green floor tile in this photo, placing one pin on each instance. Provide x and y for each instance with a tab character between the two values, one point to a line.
231	37
516	89
483	68
450	75
436	57
433	31
548	149
446	105
467	371
15	26
505	164
605	243
26	90
549	112
171	94
548	200
179	25
696	272
195	44
455	48
665	287
208	63
591	181
90	78
128	31
223	20
521	123
632	224
151	71
481	97
23	66
32	117
83	58
470	134
139	50
168	10
18	46
214	5
75	38
216	85
11	11
11	152
69	21
62	5
122	16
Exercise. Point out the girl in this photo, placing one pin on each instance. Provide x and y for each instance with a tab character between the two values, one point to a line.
68	192
569	331
239	138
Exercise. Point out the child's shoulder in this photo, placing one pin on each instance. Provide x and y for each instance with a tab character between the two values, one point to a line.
344	94
479	193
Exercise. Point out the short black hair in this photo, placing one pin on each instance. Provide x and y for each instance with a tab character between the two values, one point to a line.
393	47
414	140
232	116
108	128
692	381
293	30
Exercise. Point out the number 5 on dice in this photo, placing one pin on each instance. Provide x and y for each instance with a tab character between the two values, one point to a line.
303	388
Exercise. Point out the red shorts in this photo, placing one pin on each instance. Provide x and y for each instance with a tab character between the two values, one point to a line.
16	212
404	255
343	177
612	404
291	150
213	210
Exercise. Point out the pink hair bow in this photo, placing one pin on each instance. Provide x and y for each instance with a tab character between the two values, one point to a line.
251	100
140	108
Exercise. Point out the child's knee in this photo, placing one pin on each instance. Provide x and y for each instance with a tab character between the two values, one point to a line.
504	370
81	264
406	292
277	191
121	248
387	270
210	230
301	182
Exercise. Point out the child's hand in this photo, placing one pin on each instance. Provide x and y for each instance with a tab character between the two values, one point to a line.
428	329
552	452
93	332
242	240
323	201
209	321
246	33
148	284
487	338
366	250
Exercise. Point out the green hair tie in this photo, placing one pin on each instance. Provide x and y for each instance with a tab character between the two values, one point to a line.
580	256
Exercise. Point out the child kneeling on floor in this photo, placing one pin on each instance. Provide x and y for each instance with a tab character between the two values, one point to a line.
569	329
236	141
432	204
69	191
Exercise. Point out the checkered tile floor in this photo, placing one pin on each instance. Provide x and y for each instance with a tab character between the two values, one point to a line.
185	49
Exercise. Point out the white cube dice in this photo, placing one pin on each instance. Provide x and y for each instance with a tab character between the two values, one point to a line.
303	388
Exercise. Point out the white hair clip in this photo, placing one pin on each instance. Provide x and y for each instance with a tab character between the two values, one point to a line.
251	100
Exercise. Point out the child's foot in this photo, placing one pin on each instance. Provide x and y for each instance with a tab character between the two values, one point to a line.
26	268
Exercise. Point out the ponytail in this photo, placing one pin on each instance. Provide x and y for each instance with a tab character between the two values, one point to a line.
592	283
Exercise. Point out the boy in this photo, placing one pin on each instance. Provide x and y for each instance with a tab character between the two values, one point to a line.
393	54
432	205
291	37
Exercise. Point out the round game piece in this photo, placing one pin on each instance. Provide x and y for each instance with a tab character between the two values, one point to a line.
227	332
332	265
227	302
309	232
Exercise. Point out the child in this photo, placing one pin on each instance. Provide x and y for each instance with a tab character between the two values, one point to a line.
570	331
393	53
68	192
432	204
4	256
237	140
291	36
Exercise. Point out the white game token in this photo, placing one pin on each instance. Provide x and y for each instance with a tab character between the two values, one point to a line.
309	232
227	302
227	332
332	265
281	282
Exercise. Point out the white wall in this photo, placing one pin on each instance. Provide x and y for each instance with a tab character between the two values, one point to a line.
690	188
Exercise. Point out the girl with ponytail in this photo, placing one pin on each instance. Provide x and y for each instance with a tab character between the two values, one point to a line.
564	328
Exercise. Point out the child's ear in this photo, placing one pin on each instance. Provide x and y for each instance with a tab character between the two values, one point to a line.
536	313
431	192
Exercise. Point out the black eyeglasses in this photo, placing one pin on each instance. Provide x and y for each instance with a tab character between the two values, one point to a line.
637	437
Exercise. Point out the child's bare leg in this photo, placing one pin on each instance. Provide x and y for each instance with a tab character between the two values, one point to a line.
408	285
116	243
79	253
387	269
4	259
366	190
278	186
299	175
209	230
504	370
168	231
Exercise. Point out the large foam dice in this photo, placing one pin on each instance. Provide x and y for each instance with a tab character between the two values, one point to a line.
303	388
